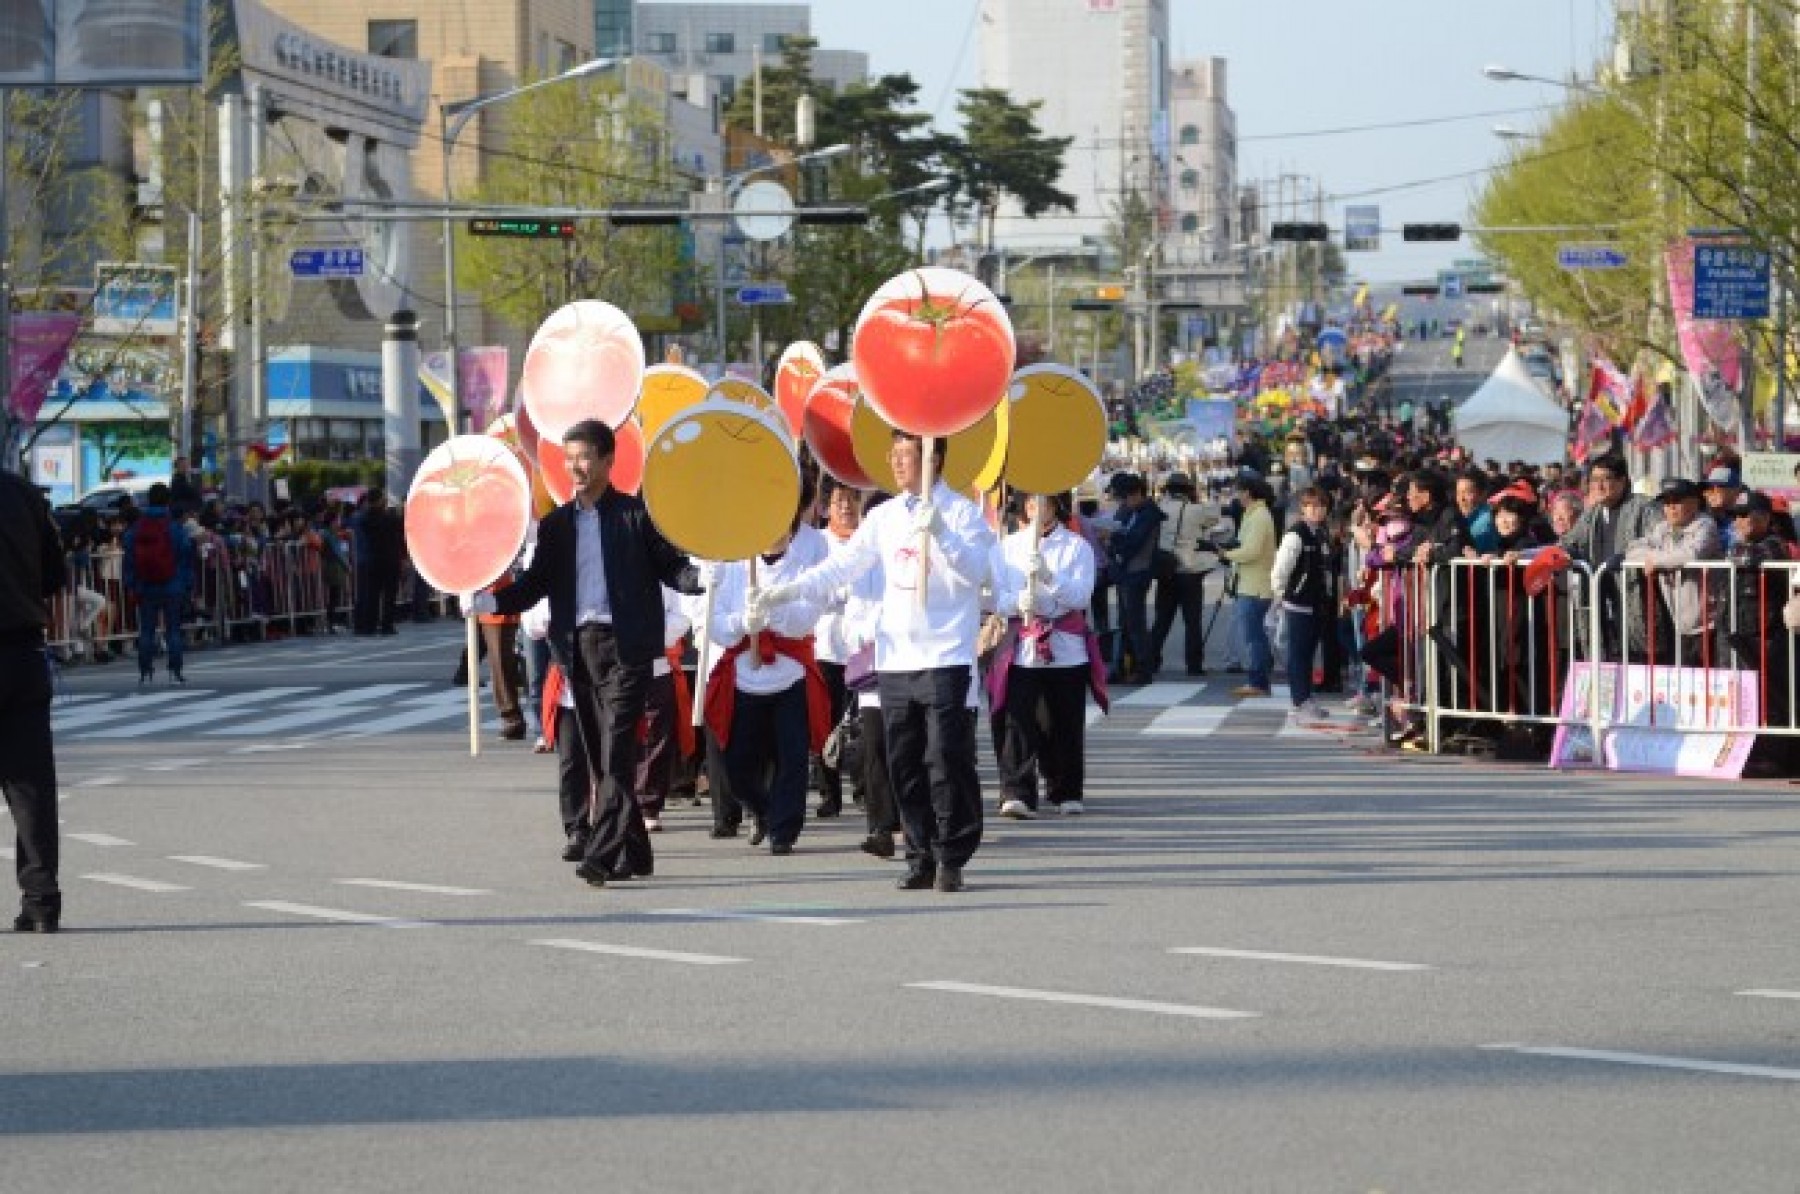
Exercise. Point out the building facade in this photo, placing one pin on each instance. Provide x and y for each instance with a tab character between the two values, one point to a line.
1100	68
724	42
1204	197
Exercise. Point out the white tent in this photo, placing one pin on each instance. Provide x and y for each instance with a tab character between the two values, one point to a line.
1510	418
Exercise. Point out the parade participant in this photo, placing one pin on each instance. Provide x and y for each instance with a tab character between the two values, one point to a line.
500	638
1043	575
602	562
575	784
861	620
32	571
1304	584
924	656
1254	558
766	702
159	575
727	813
843	507
667	732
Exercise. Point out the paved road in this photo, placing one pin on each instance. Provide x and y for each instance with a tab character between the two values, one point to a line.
335	953
1424	372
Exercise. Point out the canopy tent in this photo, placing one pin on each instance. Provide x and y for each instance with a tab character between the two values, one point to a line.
1510	418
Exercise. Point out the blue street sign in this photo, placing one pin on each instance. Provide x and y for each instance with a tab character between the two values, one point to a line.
1730	282
1578	257
762	294
326	263
1452	285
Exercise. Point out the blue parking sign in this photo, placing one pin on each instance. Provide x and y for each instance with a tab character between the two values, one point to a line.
1731	281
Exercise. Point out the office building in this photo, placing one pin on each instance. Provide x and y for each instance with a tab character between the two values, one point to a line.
724	41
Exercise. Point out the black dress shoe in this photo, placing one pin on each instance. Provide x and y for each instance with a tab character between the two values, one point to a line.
757	832
592	874
575	849
949	878
724	831
830	808
881	845
37	922
917	881
781	848
622	874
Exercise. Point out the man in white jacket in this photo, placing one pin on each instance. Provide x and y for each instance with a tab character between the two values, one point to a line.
924	656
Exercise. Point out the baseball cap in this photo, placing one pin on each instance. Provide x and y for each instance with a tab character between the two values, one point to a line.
1752	502
1521	490
1721	474
1675	489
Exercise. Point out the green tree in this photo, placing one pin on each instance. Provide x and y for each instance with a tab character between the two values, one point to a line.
1002	154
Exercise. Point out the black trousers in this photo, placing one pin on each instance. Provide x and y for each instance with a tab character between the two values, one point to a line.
1046	708
727	812
609	702
661	747
377	589
766	759
574	783
878	788
831	780
1183	593
28	773
931	761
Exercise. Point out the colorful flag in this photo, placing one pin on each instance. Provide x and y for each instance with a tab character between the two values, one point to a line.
1609	390
1593	433
1656	428
40	345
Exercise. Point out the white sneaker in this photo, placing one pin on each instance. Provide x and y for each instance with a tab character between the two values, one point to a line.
1018	810
1072	808
1316	712
653	824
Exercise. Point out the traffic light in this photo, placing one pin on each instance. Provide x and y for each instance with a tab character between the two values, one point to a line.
1431	232
524	229
1181	305
644	215
832	214
1096	304
1486	287
1112	294
1420	291
1299	232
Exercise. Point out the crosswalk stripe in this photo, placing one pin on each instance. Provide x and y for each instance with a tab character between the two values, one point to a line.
112	710
1159	696
1188	721
443	706
351	703
199	712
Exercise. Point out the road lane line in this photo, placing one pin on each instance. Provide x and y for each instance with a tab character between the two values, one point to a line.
1106	1001
123	707
102	781
1159	696
1653	1061
1188	721
99	839
438	707
785	918
1765	994
337	914
137	884
218	864
174	764
349	703
428	888
1251	955
201	712
632	951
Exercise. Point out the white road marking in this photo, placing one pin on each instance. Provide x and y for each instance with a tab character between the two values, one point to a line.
428	888
1106	1001
347	704
174	764
1094	714
99	839
440	706
1653	1061
1159	696
218	864
6	852
353	918
632	951
200	712
1764	994
787	918
1278	700
136	883
1303	959
102	781
1188	721
123	707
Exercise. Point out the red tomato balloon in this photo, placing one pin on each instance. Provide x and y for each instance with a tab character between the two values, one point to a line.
526	430
467	513
628	463
933	351
586	362
827	427
798	372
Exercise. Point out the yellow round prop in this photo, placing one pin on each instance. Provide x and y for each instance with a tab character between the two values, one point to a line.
712	443
1057	431
668	389
736	389
972	458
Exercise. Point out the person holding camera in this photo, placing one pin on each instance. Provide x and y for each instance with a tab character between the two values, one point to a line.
1182	563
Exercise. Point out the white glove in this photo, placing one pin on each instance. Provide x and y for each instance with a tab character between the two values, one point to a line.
776	595
756	615
1039	569
925	519
477	603
1028	602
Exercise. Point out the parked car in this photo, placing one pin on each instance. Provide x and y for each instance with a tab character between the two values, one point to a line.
106	498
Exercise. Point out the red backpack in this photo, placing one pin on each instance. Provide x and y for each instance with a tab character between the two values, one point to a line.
153	550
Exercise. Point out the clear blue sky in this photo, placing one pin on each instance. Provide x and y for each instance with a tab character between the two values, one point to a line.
1302	65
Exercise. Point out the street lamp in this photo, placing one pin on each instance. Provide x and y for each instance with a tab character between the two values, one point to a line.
1503	74
1507	132
453	118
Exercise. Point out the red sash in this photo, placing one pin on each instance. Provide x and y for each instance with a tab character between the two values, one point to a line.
554	683
721	687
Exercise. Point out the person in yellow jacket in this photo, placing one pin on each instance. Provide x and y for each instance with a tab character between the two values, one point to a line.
1254	558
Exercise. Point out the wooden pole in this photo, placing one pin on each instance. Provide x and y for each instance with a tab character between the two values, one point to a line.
474	670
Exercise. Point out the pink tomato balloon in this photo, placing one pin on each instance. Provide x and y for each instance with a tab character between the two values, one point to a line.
798	372
586	362
467	513
827	427
933	351
555	471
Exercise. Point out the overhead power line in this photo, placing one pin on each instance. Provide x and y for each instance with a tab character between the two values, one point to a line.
1392	124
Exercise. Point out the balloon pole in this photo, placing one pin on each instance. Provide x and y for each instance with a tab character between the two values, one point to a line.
474	670
702	648
928	472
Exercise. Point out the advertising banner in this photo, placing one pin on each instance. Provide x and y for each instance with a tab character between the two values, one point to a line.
1658	720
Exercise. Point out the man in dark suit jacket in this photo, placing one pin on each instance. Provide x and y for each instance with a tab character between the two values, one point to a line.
602	563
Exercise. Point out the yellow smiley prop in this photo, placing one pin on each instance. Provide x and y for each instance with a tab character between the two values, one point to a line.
668	389
973	458
721	480
1057	432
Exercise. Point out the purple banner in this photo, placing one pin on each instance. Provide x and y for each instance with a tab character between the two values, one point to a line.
40	345
481	383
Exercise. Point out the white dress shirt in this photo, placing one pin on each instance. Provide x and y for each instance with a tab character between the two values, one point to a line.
1071	587
592	603
908	638
828	636
675	624
793	619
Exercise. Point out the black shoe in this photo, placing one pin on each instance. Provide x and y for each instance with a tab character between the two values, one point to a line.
881	845
724	831
37	922
175	676
949	878
917	881
781	848
144	677
622	874
592	874
575	849
512	733
757	832
830	808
